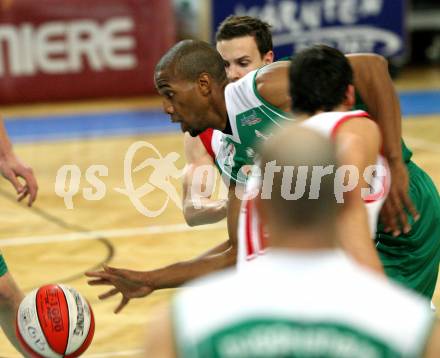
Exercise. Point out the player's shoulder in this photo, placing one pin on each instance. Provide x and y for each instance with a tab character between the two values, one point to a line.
242	84
208	289
278	68
391	298
356	122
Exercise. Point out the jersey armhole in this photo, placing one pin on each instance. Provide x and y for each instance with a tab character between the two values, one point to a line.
358	114
265	103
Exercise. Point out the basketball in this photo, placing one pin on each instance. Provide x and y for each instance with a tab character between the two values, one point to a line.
55	321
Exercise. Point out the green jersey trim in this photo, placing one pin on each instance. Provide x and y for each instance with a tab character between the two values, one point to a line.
265	103
290	338
3	266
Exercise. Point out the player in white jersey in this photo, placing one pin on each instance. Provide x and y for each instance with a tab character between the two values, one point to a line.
251	234
306	297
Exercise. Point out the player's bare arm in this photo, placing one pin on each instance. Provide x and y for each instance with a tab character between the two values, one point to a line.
273	84
208	210
358	142
12	168
136	284
160	340
374	84
433	346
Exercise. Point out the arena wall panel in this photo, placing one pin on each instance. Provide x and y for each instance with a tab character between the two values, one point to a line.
75	49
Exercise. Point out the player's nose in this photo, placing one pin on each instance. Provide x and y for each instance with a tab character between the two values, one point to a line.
233	74
168	108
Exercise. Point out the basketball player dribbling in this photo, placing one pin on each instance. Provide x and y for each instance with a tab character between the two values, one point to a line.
372	80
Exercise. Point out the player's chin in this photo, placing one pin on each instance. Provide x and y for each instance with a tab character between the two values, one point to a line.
194	132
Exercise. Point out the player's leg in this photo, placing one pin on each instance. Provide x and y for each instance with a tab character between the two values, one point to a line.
413	259
10	298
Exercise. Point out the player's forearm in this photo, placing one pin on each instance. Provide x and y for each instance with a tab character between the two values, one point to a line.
208	211
5	143
356	238
180	273
374	84
218	249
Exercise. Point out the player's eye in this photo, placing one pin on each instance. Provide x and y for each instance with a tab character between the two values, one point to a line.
244	64
169	95
226	64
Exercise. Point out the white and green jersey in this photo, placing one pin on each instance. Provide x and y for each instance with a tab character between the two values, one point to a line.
251	119
285	304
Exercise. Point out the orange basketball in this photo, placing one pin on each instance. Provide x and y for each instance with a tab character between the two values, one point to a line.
55	321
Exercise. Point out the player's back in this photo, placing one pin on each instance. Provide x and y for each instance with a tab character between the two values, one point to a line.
251	234
303	305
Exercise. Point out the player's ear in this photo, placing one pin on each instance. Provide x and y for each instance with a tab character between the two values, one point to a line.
350	96
204	83
268	57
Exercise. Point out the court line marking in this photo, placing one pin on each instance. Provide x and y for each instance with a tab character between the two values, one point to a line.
108	234
115	354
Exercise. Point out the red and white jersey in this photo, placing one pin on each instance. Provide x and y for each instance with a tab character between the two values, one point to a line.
251	233
211	139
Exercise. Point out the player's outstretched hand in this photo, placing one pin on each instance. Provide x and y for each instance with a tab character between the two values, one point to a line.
12	168
131	284
394	211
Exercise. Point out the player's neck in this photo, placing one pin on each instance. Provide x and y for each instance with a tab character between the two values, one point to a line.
220	111
299	239
304	116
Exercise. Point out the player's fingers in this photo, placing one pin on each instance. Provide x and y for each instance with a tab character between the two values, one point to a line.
389	217
31	184
23	194
108	294
121	273
122	304
410	206
98	274
109	268
10	175
98	282
406	203
384	218
400	216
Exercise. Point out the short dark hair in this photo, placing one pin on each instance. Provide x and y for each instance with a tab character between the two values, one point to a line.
238	26
189	58
319	77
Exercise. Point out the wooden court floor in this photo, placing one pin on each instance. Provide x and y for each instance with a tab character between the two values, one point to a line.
52	244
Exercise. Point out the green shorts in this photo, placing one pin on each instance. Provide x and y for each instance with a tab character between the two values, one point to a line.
413	259
3	267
